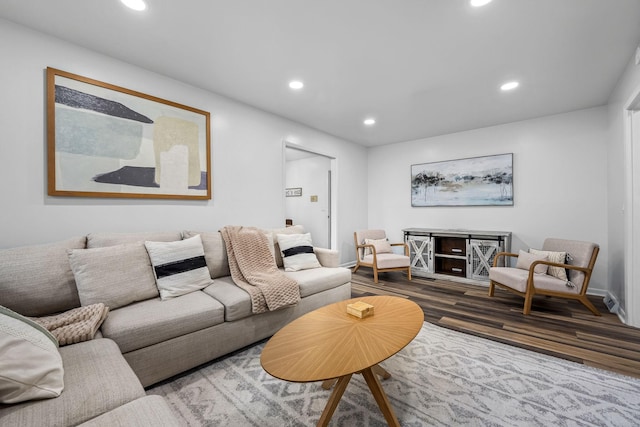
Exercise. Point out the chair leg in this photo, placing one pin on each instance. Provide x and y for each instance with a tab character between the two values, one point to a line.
356	268
409	273
375	275
492	288
528	299
585	301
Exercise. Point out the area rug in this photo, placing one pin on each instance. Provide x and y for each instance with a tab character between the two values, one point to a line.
442	378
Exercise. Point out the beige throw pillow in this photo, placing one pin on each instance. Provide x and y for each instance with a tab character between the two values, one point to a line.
525	259
31	364
558	257
382	246
114	275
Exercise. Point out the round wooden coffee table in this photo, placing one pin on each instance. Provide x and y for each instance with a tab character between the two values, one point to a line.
328	344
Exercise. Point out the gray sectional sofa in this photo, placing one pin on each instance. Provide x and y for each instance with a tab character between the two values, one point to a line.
144	339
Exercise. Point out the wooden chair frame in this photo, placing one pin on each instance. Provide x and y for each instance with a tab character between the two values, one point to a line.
531	289
374	264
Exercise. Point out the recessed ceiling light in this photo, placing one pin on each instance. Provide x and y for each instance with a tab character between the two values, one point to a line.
296	84
478	3
510	85
369	122
135	4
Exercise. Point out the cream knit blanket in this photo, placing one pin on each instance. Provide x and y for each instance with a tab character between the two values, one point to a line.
254	269
76	325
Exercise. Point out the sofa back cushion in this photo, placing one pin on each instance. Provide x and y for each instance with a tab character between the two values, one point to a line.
100	240
215	252
113	275
37	280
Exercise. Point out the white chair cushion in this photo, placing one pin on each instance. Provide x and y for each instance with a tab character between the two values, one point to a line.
516	278
389	260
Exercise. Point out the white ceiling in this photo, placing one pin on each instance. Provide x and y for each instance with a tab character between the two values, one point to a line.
420	67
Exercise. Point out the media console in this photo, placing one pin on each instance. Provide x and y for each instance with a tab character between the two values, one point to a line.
454	253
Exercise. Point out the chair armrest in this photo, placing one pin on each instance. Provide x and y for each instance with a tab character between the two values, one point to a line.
503	255
373	251
555	264
327	257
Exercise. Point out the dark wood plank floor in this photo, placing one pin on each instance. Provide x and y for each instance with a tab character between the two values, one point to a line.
556	326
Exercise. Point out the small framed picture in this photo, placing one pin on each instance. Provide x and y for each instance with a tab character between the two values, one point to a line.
293	192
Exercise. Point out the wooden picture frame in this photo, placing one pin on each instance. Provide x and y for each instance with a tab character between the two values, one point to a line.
474	181
107	141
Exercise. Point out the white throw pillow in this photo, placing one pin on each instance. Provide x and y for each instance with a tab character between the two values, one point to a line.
30	364
525	259
558	257
114	275
297	252
382	246
180	267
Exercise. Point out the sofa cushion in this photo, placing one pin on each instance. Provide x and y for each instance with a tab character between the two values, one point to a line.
152	321
297	251
31	366
236	301
148	411
100	240
37	280
113	275
320	279
97	379
179	267
215	252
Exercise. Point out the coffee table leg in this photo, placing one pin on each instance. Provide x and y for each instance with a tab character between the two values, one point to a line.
377	369
381	398
335	397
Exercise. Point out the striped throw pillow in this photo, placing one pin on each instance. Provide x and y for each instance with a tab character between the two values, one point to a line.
297	252
179	267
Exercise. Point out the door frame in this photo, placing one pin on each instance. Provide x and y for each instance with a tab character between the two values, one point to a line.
632	212
333	191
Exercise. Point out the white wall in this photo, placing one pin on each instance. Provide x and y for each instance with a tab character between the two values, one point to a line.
560	182
619	182
310	174
246	145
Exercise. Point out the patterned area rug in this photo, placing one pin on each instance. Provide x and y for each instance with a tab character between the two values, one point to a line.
442	378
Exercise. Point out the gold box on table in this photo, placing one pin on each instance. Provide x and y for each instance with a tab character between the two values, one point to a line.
360	309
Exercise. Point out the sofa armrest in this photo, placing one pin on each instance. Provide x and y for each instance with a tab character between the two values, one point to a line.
327	257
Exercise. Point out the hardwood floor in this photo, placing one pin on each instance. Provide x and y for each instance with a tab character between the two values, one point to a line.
556	326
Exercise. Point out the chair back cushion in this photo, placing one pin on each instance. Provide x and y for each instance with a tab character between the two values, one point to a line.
579	254
368	234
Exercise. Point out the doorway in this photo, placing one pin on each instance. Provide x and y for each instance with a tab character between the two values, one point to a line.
309	192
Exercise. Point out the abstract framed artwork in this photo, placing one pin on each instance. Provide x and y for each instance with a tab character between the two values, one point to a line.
475	181
108	141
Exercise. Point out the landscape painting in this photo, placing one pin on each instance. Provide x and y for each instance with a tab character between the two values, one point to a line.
108	141
476	181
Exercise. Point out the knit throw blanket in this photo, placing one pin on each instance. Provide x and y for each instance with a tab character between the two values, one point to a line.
76	325
254	269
